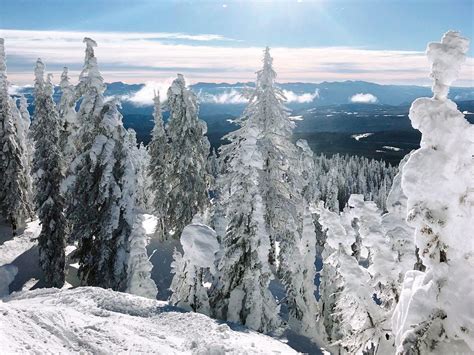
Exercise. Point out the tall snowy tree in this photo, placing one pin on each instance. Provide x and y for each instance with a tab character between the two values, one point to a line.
68	117
435	313
14	195
282	183
186	177
102	206
48	172
157	168
241	292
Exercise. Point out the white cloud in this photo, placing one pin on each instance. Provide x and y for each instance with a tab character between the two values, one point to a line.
227	97
301	98
140	57
145	95
364	98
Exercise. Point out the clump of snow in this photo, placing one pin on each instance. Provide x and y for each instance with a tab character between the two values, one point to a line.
358	137
199	245
364	98
99	321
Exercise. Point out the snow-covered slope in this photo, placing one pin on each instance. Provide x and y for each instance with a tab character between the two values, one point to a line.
98	321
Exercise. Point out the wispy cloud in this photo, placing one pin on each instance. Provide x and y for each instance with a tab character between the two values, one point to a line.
364	98
141	57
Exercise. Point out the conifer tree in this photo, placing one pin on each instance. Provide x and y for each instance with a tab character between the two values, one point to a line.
68	117
241	293
101	183
157	168
186	177
14	196
48	171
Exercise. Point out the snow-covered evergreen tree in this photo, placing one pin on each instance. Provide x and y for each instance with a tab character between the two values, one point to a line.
435	311
139	267
101	185
157	168
186	177
14	194
68	117
48	172
141	161
241	292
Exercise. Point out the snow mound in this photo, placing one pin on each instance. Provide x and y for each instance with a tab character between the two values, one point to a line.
199	244
96	321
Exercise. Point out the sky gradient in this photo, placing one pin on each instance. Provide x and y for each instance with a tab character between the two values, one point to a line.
222	41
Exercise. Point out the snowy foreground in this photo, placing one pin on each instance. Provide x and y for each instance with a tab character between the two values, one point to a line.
94	320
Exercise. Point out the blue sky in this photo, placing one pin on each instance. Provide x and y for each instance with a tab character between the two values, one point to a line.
381	35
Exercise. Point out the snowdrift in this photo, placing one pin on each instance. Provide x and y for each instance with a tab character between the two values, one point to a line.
98	321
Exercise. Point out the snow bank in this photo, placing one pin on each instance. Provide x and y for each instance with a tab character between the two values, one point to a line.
96	321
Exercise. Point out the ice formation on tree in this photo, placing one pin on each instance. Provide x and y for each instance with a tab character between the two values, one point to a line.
48	167
190	268
435	313
14	194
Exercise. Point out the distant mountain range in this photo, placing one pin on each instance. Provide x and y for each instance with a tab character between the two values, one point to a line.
327	115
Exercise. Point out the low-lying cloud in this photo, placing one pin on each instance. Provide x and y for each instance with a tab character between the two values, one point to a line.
145	95
300	98
364	98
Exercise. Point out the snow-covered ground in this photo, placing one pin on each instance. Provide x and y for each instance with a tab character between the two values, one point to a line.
92	320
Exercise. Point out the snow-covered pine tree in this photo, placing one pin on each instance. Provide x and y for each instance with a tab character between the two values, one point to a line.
435	313
241	292
14	195
157	168
139	267
21	121
101	185
186	177
48	172
68	117
141	161
282	184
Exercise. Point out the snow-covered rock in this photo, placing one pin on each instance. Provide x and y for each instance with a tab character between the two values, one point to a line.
92	320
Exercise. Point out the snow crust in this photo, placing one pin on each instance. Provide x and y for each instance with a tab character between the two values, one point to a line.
92	320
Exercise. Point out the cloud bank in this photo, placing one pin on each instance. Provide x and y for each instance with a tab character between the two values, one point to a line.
141	57
364	98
